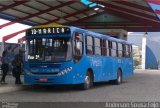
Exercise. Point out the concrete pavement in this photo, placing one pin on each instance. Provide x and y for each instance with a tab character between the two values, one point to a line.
144	86
10	86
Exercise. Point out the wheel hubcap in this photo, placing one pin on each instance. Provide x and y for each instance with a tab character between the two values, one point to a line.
87	80
119	79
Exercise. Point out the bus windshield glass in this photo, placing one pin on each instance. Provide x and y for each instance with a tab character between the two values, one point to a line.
49	49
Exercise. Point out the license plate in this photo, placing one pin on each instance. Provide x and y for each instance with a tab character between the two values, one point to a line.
43	79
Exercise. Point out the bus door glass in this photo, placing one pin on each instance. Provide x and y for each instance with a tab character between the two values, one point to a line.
77	46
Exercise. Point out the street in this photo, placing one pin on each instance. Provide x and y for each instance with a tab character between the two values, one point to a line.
144	86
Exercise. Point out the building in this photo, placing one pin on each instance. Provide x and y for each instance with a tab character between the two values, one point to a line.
152	48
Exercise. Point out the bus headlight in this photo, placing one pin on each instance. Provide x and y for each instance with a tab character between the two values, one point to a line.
65	71
27	72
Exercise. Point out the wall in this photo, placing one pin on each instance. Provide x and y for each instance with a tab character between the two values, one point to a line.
152	48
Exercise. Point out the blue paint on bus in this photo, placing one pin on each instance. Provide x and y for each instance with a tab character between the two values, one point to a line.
72	70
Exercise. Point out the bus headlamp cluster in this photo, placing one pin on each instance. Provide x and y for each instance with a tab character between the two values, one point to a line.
27	72
65	71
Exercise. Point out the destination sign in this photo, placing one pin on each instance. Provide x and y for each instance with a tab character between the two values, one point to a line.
48	31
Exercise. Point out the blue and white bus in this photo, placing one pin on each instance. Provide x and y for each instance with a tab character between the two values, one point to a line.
57	54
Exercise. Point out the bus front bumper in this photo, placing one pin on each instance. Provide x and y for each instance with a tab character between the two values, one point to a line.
53	80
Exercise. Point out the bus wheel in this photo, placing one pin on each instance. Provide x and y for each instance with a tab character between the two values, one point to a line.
118	81
88	82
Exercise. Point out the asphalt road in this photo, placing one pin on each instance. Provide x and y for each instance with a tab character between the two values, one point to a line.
144	86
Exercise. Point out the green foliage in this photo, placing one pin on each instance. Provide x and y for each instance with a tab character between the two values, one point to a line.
136	63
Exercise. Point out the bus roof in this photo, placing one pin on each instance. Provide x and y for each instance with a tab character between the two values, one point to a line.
48	25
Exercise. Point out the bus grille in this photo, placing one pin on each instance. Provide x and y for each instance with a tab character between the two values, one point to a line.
46	73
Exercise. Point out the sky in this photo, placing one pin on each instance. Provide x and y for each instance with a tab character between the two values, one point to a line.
155	7
12	29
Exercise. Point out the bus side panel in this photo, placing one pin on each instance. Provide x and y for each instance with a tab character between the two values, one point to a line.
115	68
79	71
96	65
107	67
101	67
111	65
127	67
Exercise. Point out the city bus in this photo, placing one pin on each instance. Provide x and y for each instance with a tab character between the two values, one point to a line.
59	55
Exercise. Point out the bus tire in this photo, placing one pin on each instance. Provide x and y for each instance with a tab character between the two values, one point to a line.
88	81
118	80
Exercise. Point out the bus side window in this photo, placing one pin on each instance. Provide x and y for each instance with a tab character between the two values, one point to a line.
114	49
107	48
131	51
103	47
120	52
123	50
110	48
89	45
97	47
127	51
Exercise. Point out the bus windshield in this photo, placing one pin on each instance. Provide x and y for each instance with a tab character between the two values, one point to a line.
49	49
